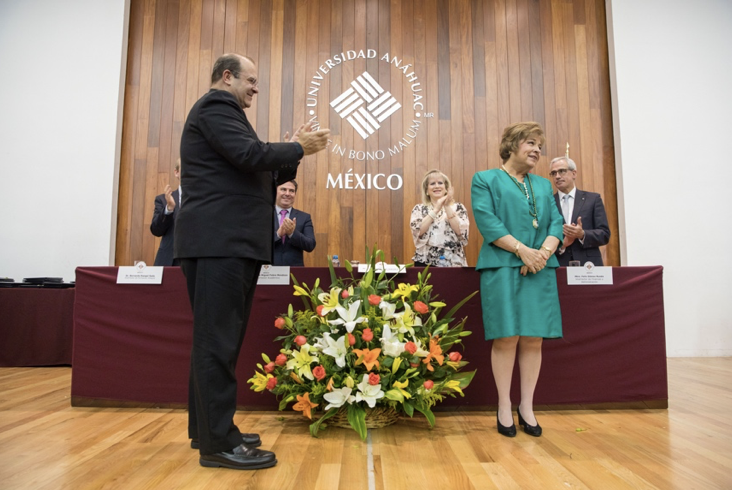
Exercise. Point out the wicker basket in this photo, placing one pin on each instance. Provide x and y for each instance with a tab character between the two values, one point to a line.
376	418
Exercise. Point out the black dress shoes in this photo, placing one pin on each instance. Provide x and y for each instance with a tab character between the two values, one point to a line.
240	458
251	440
505	431
532	430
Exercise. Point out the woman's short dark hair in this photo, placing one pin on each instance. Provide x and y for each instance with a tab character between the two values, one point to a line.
514	134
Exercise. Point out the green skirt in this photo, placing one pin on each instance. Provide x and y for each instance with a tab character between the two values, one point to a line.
516	305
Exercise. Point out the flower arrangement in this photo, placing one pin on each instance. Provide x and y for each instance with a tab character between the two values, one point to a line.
365	344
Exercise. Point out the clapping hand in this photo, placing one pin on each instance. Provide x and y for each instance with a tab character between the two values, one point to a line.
287	227
311	141
170	202
573	232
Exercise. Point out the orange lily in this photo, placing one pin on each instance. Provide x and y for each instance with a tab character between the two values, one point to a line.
304	405
370	357
435	353
329	386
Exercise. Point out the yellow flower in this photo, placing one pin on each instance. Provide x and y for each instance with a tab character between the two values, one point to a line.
304	405
404	290
454	385
370	357
259	381
400	386
330	300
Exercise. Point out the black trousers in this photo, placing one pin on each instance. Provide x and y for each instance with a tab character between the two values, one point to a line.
221	291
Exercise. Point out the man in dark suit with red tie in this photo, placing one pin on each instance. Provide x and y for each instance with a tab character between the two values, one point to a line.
585	222
163	222
295	232
223	234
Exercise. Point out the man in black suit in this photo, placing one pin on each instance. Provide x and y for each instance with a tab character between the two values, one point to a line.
223	234
294	228
585	228
163	222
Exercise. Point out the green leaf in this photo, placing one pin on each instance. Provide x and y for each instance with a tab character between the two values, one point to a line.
349	267
395	395
427	413
459	305
357	419
408	408
315	426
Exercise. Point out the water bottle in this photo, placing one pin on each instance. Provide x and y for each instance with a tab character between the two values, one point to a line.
443	262
336	262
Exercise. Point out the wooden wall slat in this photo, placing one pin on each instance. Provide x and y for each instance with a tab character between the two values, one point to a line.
481	64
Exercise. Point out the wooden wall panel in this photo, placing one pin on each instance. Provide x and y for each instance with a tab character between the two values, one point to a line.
481	65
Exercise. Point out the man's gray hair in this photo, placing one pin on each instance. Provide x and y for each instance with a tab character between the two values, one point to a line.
570	163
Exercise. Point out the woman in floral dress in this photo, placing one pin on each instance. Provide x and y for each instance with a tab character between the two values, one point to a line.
440	226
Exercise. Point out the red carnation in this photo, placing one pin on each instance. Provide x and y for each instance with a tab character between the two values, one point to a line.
455	356
280	323
319	310
271	383
351	339
374	379
420	307
301	340
269	367
281	360
429	384
319	373
367	335
374	300
410	347
344	294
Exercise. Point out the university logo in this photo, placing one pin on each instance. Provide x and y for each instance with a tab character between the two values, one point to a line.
365	105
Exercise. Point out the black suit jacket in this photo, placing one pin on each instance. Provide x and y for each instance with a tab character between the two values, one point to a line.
164	225
302	239
589	206
230	178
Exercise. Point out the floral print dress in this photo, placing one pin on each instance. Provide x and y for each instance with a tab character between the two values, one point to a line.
440	239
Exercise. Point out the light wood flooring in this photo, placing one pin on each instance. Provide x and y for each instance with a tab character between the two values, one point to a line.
47	444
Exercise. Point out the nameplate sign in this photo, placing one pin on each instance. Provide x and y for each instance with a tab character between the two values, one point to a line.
381	266
589	275
140	273
274	275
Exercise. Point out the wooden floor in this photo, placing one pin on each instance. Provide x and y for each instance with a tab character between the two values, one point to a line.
47	444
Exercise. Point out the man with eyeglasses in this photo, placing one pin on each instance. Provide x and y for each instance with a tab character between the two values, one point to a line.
223	235
585	222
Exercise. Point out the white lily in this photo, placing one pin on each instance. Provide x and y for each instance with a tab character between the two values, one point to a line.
336	348
301	360
368	393
387	309
390	344
420	350
406	320
338	398
349	317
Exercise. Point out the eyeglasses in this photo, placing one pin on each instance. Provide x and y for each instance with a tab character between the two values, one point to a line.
560	171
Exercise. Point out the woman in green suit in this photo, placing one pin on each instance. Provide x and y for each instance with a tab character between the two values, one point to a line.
521	227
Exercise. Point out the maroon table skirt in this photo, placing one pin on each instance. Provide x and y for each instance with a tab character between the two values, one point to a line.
132	342
36	326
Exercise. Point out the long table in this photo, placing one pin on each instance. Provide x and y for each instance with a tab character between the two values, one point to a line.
36	326
132	342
